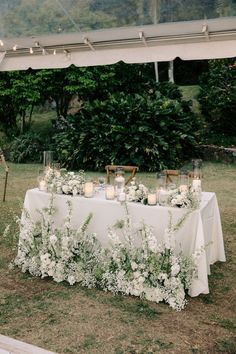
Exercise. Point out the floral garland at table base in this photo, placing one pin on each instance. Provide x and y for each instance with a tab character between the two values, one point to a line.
152	271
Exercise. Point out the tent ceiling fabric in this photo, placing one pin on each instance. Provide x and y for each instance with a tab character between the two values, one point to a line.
151	30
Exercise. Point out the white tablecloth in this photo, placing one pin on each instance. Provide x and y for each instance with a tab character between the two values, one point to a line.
201	229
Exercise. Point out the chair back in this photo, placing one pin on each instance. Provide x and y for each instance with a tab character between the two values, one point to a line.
111	169
169	174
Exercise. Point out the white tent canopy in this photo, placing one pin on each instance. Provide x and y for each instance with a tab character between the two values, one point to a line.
188	40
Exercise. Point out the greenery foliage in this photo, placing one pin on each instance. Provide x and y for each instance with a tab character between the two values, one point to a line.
149	130
27	147
218	96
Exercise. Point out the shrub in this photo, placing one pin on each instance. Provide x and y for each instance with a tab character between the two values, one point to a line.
148	130
27	147
218	96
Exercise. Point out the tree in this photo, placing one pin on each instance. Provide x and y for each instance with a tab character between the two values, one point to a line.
218	96
25	93
8	111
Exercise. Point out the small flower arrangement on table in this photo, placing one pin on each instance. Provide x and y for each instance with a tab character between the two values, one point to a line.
69	183
136	192
183	198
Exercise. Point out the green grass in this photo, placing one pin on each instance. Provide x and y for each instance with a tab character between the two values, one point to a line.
227	345
69	319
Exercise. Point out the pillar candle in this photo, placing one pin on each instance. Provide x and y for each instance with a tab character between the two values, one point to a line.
196	184
122	197
88	190
110	192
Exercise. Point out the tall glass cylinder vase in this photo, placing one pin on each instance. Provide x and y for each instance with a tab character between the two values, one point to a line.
183	181
197	168
119	181
47	158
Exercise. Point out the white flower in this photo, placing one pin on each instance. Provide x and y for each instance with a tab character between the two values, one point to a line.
65	189
71	279
175	268
134	265
137	274
53	239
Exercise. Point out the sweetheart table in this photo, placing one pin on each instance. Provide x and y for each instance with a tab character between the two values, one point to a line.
201	231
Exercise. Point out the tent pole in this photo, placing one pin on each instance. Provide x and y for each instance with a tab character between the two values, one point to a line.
2	160
5	187
156	71
155	21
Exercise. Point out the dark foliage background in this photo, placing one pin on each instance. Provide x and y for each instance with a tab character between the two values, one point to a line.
218	96
150	130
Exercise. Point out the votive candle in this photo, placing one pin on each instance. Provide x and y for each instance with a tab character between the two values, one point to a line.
152	199
43	186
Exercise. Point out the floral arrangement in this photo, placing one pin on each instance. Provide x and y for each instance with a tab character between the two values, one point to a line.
183	199
136	192
68	183
151	271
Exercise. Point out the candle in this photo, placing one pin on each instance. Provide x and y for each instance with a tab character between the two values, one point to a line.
163	197
183	188
110	192
88	189
152	199
43	186
196	185
121	197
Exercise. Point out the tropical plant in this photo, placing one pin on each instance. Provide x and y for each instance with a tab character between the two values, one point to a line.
27	147
148	130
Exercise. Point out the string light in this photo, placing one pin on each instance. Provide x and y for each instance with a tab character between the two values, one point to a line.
67	53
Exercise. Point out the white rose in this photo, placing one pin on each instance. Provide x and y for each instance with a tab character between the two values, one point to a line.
65	189
53	239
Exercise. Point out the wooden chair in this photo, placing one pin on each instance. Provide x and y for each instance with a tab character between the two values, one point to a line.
111	169
169	174
176	173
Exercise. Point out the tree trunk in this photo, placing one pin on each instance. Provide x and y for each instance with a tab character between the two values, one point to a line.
30	115
22	129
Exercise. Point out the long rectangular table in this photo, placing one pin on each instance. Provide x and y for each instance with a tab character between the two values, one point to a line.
201	230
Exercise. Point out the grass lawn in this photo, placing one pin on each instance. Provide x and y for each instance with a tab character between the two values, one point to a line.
73	319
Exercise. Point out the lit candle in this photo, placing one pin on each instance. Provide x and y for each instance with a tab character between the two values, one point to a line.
196	185
163	197
183	188
110	192
88	189
152	199
121	197
43	186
